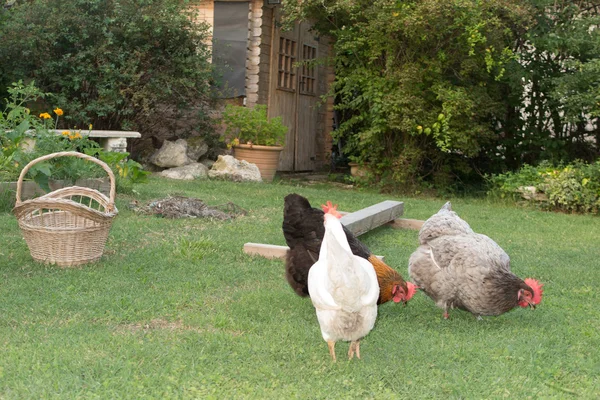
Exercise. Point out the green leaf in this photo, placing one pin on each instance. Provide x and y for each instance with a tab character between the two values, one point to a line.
42	180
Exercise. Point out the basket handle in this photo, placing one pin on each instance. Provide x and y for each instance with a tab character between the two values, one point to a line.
106	168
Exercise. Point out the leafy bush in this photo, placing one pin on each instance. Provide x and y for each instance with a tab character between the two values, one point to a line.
508	185
553	101
116	64
252	126
571	188
433	92
417	82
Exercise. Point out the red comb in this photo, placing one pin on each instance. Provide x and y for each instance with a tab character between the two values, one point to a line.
537	290
411	290
329	208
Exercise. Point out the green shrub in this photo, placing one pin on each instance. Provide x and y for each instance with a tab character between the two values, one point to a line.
575	188
571	188
418	83
507	185
116	64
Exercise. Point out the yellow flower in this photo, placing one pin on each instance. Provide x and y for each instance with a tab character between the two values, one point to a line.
58	111
45	116
66	133
75	136
90	127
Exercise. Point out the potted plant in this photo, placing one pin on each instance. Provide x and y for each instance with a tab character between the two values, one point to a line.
255	137
359	170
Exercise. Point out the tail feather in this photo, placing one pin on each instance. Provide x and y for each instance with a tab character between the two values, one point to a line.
293	203
343	270
444	222
299	220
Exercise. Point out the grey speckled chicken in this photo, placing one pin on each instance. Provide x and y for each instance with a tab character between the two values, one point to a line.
459	268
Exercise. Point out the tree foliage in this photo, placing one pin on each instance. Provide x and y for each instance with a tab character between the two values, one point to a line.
113	63
554	104
435	90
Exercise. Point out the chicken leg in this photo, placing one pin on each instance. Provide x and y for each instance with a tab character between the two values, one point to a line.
354	347
331	345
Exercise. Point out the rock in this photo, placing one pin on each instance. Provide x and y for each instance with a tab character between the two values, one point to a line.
196	148
531	193
208	162
229	168
186	172
171	154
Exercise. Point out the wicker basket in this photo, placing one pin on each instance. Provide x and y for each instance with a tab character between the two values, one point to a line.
68	226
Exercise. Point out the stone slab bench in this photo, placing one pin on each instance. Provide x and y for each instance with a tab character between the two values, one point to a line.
109	140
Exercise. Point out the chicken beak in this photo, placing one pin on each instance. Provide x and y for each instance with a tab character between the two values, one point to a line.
531	305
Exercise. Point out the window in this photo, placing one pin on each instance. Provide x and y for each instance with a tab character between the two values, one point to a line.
230	38
286	78
308	75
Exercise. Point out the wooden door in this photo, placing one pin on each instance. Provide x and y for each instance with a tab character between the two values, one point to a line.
284	90
307	115
293	95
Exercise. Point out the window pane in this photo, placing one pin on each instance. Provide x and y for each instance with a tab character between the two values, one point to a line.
229	45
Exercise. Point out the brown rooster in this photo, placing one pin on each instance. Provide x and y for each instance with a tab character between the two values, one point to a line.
459	268
303	231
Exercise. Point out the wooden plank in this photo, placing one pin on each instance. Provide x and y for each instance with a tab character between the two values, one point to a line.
265	250
405	223
372	217
272	250
357	222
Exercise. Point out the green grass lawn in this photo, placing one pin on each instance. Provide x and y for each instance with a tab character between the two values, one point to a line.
175	309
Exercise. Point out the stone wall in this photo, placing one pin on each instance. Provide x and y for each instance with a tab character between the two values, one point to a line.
264	81
253	58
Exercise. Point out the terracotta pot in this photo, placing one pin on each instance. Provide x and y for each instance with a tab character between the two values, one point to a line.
266	158
358	170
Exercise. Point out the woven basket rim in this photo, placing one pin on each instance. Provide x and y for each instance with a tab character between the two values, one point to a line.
77	154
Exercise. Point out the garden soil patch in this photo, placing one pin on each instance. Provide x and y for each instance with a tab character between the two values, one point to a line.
189	207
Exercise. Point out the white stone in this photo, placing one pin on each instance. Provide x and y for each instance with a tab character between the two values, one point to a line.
186	172
255	51
229	168
251	98
171	154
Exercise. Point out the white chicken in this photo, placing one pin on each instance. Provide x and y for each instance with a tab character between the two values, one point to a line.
343	288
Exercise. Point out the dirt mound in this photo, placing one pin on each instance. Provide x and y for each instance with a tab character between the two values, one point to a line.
189	207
